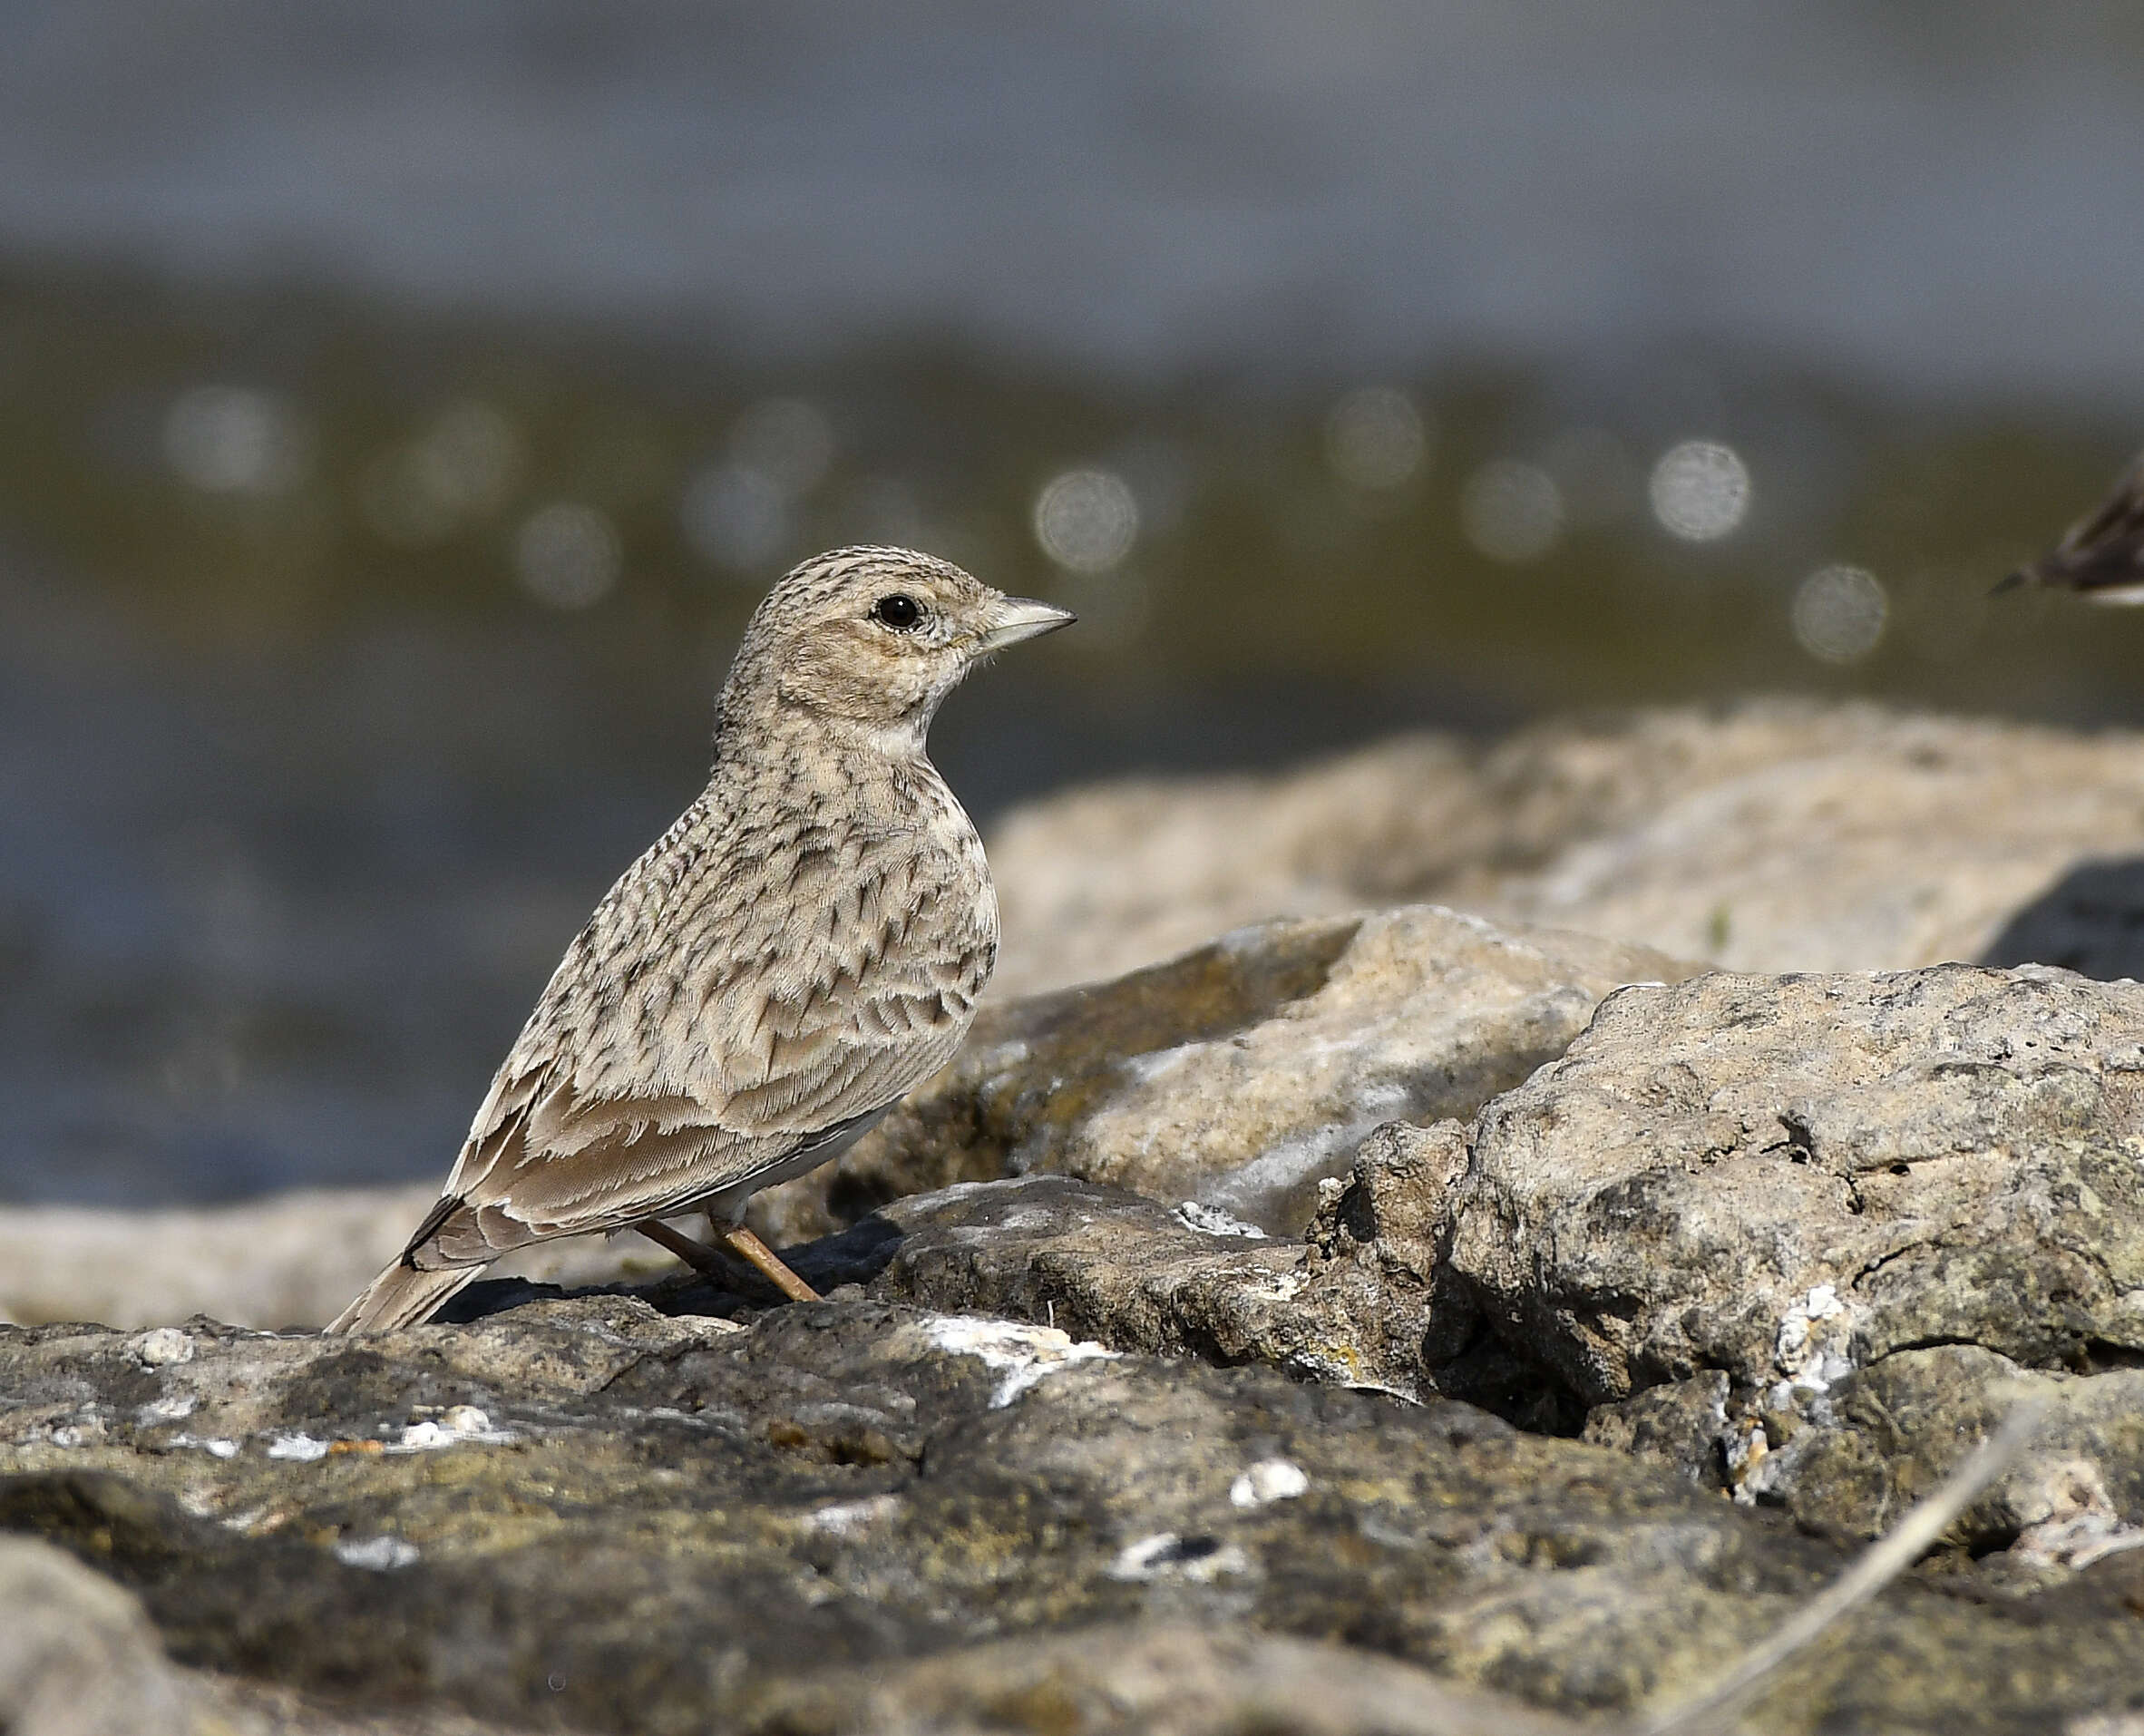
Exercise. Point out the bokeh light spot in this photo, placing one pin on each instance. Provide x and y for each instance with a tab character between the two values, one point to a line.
461	469
1512	511
1086	520
1838	613
567	555
1699	491
235	440
471	457
1375	439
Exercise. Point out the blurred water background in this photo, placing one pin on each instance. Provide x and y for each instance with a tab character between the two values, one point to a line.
402	406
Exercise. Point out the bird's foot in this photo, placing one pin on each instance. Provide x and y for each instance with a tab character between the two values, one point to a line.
705	1261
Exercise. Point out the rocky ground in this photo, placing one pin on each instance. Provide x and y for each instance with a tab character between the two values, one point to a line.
1379	1318
1782	835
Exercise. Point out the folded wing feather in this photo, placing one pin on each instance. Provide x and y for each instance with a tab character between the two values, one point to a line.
619	1103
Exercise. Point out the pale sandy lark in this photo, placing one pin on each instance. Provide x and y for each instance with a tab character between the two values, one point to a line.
800	949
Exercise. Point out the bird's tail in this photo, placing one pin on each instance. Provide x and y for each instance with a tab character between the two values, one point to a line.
402	1295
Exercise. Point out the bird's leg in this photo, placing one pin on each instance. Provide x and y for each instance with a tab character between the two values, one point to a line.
705	1261
701	1259
770	1263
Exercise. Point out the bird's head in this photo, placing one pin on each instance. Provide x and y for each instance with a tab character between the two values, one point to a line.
875	637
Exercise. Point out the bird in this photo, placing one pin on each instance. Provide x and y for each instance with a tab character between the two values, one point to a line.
803	946
2102	558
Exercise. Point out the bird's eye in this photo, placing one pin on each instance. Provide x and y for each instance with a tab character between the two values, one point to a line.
897	612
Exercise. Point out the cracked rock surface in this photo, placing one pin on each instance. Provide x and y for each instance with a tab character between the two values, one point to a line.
1801	1235
1240	1075
1358	1324
1796	1237
596	1513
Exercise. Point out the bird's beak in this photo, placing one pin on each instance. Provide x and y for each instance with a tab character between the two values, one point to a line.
1018	617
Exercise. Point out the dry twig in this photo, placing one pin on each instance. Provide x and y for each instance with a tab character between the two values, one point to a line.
1884	1561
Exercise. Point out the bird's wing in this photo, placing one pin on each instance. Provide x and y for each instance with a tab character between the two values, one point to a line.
2101	556
692	1040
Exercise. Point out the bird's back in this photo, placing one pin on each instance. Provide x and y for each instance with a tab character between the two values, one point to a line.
803	945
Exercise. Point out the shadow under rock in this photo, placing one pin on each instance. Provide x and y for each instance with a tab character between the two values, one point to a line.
2090	921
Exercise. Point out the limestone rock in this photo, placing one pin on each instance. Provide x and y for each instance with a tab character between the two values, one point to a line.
1683	1422
1776	835
588	1511
1881	1439
1804	1231
289	1260
1799	1237
77	1655
1104	1263
1765	1174
1856	839
1242	1074
1176	1677
1095	882
276	1261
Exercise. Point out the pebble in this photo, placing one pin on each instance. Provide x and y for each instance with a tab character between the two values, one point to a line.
1269	1481
163	1348
377	1555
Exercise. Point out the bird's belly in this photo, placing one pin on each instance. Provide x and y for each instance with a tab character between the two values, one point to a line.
728	1203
